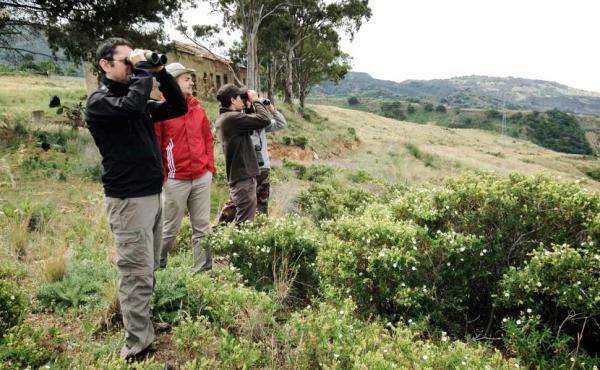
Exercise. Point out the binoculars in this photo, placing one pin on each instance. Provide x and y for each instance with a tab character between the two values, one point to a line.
155	59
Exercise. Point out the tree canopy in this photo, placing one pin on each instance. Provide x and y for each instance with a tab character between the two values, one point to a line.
78	26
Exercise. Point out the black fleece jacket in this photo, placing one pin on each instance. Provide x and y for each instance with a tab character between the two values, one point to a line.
234	129
121	119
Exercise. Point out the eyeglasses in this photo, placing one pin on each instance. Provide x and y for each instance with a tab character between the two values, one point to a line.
124	61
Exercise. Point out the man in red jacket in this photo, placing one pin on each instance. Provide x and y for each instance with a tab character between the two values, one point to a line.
186	144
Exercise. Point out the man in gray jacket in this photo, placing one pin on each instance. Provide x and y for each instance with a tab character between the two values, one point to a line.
263	186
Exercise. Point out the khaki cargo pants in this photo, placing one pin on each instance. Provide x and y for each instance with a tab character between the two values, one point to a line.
195	196
263	188
136	226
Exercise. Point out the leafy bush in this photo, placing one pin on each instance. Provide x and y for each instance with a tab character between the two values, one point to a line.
558	295
556	130
398	270
331	337
278	255
428	107
81	286
13	305
227	304
313	172
440	108
326	202
353	100
393	110
27	347
410	109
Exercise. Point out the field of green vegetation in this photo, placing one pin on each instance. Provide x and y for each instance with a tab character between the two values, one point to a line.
360	265
553	129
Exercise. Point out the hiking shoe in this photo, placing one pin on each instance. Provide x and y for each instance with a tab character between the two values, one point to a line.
162	327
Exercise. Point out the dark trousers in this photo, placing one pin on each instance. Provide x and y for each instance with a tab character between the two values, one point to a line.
263	188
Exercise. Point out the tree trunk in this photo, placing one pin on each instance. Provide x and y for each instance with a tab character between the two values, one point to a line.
252	68
289	79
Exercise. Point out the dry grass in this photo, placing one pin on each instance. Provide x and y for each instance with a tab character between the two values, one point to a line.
18	237
110	316
55	268
383	151
282	198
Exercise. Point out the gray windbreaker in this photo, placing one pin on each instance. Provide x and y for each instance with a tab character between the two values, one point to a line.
259	137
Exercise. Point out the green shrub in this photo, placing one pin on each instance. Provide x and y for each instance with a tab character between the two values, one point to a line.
228	305
427	158
353	100
81	286
428	107
557	294
398	270
314	172
331	337
27	347
301	141
440	108
326	202
269	255
212	348
13	305
511	216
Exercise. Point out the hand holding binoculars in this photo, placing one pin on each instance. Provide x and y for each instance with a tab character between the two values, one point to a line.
155	59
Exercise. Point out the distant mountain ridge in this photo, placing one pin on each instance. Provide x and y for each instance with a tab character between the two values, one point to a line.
471	92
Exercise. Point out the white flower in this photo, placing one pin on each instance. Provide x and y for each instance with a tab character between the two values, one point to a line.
425	357
12	297
414	268
506	294
529	310
335	355
230	241
517	366
395	265
518	322
504	319
539	284
342	312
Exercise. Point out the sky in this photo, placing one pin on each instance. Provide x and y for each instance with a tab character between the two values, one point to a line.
550	40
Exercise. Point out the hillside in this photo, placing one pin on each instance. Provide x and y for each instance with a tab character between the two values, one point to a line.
368	208
408	152
471	92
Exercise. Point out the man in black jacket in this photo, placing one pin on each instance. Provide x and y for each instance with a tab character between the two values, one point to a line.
120	118
234	129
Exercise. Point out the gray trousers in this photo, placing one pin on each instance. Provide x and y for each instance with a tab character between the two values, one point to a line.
136	226
243	195
195	196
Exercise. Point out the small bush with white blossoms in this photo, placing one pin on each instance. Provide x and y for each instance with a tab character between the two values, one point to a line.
13	303
268	253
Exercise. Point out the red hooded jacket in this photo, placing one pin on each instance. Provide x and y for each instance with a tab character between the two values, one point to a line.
186	143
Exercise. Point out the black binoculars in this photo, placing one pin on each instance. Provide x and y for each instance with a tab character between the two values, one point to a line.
155	59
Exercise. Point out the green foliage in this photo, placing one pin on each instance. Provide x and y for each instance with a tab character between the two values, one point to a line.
13	304
593	173
353	100
313	172
393	110
278	255
428	159
410	109
556	130
558	295
493	114
428	107
81	286
326	202
331	337
440	108
28	347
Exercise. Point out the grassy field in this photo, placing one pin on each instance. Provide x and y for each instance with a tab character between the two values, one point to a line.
413	153
56	245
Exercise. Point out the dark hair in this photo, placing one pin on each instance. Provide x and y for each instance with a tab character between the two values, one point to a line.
106	50
226	92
